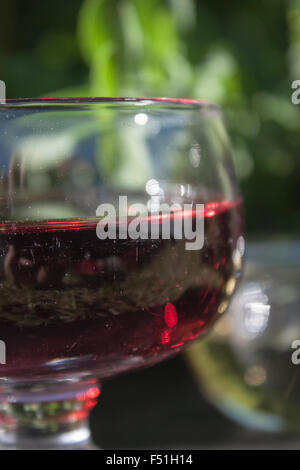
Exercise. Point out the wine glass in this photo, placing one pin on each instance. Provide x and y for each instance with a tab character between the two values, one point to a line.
249	366
121	242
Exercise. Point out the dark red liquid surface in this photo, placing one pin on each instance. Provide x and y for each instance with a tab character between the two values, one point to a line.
71	303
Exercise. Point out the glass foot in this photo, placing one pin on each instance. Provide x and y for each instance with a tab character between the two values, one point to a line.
47	416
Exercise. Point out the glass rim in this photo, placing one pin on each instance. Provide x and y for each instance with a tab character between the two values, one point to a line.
139	101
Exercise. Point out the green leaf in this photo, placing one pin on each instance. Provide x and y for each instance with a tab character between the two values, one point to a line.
98	23
103	71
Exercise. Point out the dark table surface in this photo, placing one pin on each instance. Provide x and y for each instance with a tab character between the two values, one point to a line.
162	408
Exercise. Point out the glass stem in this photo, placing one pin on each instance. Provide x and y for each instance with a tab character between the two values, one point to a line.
47	416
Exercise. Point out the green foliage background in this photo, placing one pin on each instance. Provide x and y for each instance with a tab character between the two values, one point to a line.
243	55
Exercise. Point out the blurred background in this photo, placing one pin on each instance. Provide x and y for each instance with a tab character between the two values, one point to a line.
242	55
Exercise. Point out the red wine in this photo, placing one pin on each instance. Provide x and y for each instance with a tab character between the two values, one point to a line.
70	302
